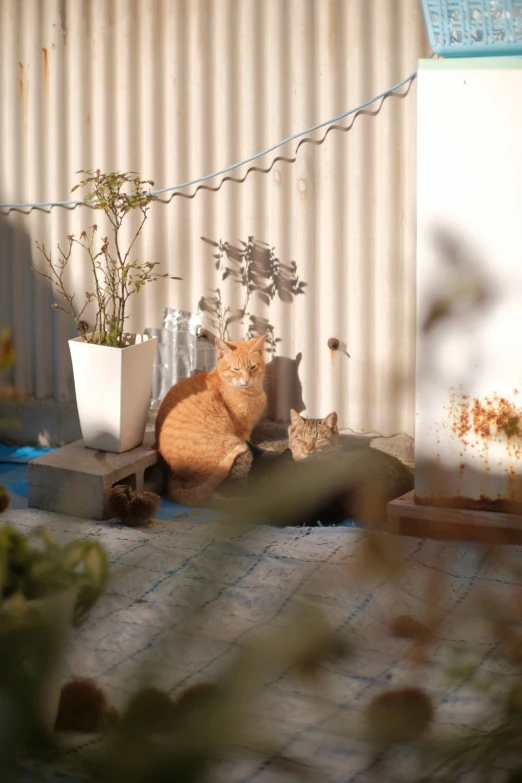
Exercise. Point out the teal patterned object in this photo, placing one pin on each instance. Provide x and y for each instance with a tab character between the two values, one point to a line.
474	28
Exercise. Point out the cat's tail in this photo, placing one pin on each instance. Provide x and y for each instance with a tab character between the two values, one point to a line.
196	495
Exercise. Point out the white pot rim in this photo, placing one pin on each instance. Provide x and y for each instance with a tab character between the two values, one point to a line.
144	338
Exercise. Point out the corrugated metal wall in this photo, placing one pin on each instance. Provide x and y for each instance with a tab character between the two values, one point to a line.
176	89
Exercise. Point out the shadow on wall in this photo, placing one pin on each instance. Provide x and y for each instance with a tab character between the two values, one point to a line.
462	292
283	387
25	306
254	266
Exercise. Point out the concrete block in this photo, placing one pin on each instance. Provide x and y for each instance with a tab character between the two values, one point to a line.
76	480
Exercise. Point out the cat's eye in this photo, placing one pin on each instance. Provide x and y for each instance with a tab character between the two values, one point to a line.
235	369
253	366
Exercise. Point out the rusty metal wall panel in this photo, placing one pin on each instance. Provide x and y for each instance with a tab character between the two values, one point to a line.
179	88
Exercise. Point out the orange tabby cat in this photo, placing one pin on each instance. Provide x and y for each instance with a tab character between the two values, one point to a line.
204	421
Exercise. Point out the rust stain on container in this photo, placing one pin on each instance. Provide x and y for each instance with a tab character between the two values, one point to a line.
21	79
478	423
493	419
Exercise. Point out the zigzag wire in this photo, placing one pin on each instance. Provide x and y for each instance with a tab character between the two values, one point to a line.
282	159
252	169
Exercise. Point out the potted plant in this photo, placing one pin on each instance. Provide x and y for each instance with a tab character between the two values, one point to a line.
112	368
44	590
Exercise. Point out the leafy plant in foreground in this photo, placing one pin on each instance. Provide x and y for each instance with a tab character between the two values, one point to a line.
30	572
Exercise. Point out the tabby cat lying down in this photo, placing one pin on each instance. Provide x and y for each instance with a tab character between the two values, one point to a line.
329	481
305	436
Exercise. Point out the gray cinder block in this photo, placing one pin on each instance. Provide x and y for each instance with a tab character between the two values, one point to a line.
76	480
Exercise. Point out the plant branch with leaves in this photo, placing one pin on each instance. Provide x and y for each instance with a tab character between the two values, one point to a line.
116	276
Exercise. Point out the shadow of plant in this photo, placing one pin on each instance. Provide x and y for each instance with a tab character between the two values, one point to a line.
467	289
254	266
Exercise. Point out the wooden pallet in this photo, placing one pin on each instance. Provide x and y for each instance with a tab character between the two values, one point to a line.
407	518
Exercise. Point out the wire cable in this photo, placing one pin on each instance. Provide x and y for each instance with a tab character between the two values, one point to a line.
174	190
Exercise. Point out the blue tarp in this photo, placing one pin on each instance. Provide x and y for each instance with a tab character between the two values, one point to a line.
13	476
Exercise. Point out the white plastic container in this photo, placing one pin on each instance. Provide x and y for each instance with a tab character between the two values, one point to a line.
113	387
468	443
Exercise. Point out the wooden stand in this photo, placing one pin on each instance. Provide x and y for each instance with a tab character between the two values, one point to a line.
407	518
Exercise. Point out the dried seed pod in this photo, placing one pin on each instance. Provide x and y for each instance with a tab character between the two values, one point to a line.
83	707
406	627
401	715
132	508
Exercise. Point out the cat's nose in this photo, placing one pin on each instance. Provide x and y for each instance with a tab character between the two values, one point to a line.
309	446
243	382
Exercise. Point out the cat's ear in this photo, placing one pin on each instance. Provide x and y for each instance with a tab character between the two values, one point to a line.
257	344
222	348
331	421
295	418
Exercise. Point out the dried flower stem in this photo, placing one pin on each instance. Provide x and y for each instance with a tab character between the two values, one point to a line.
115	277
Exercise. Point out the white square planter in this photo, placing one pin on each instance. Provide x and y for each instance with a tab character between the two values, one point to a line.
113	387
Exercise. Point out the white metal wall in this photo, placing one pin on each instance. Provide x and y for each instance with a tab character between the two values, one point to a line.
178	88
